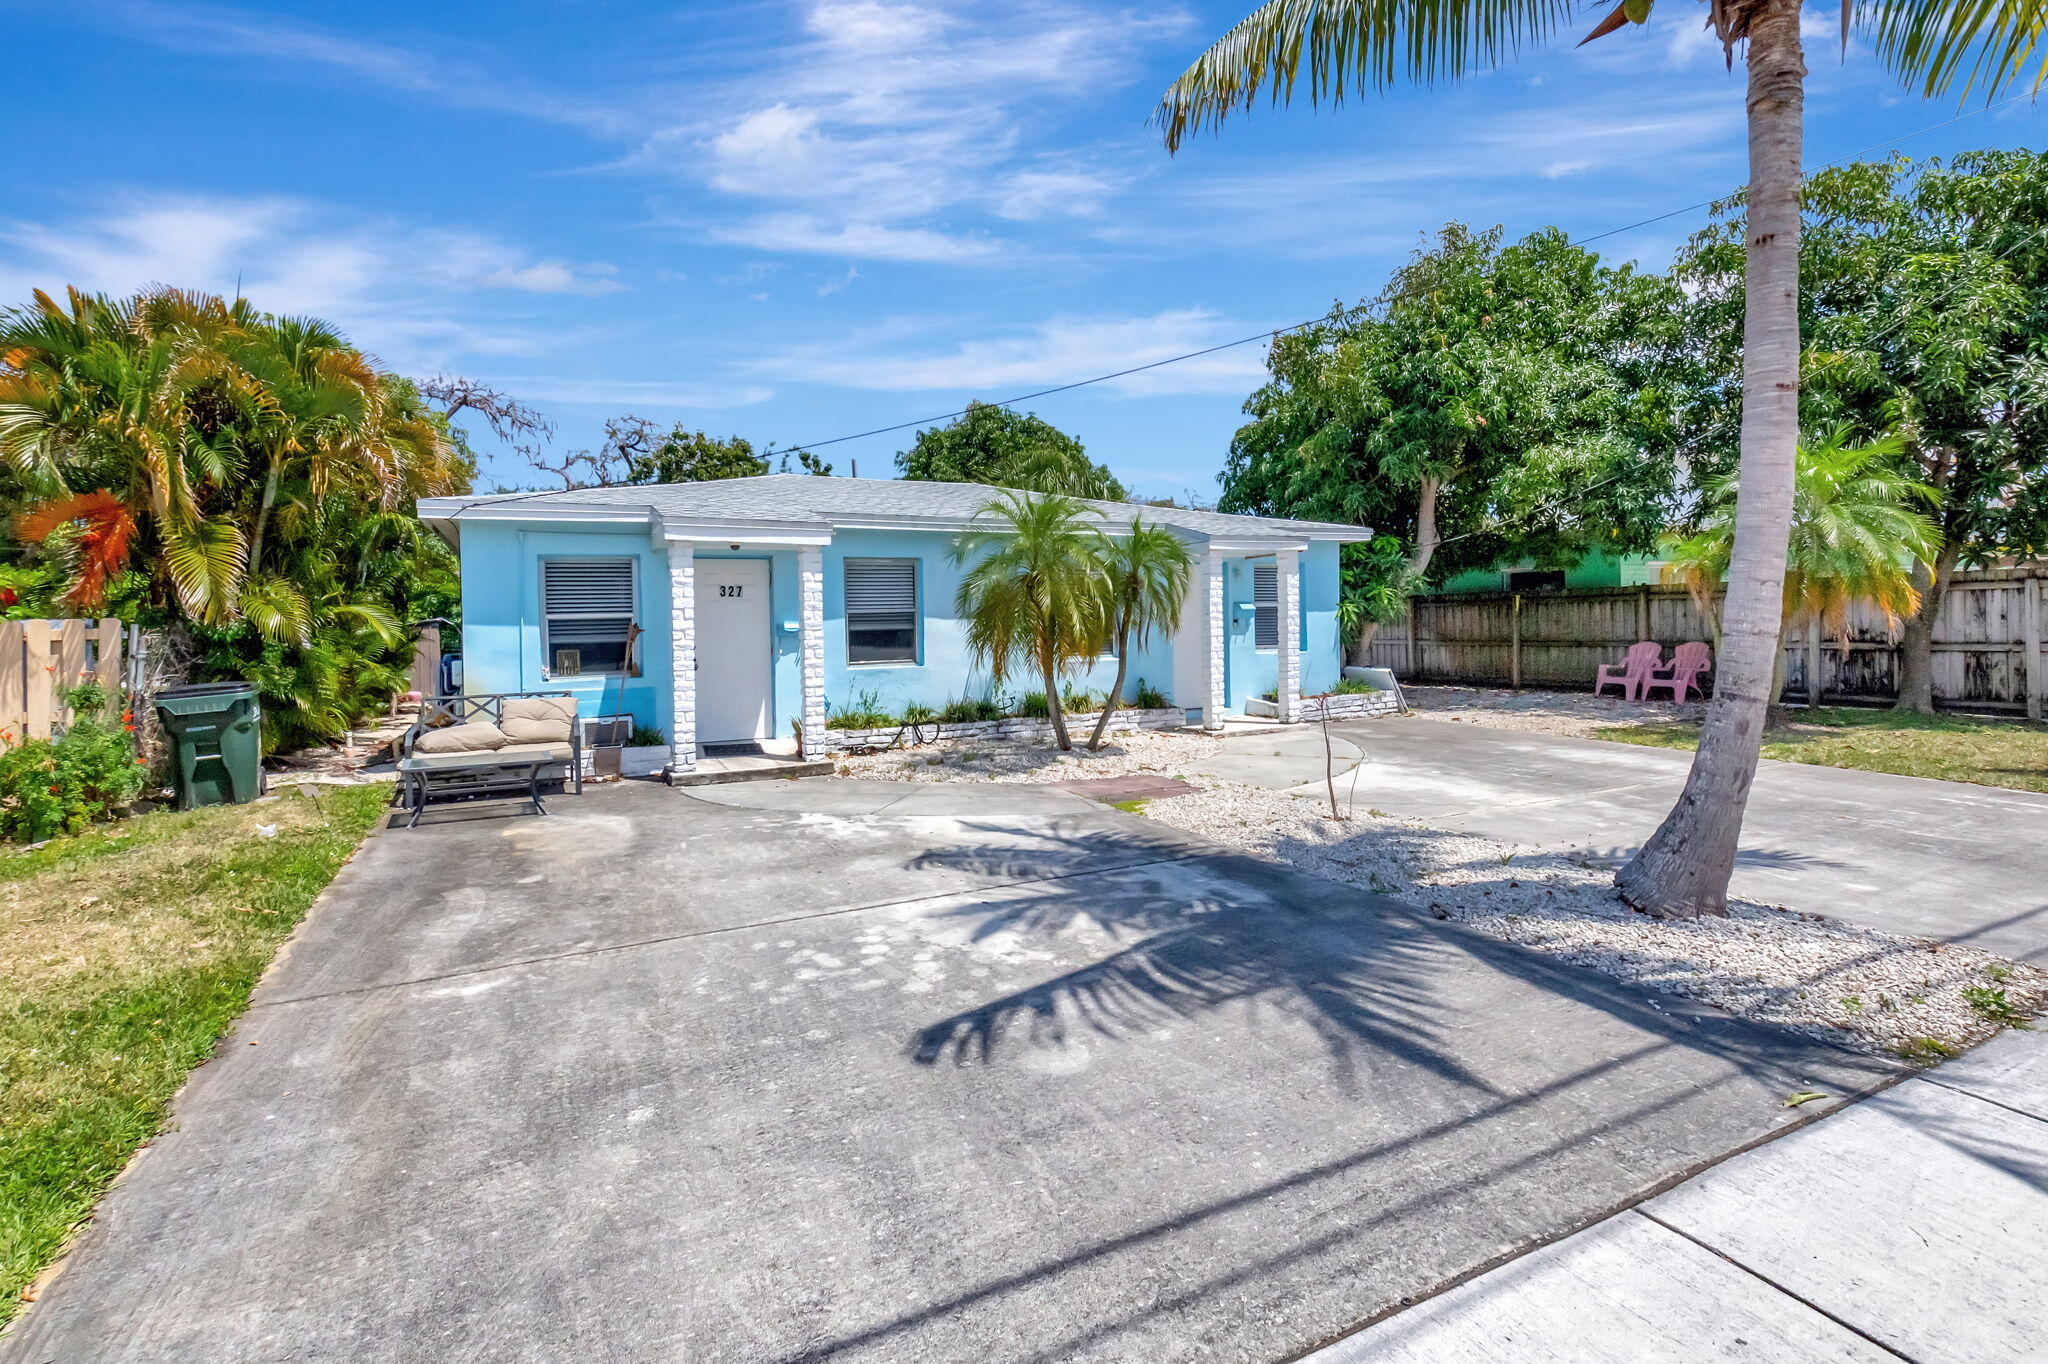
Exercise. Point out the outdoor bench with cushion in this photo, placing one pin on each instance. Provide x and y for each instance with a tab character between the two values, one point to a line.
493	744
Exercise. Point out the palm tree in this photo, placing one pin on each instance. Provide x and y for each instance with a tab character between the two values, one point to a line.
1355	45
1033	591
1856	537
1144	579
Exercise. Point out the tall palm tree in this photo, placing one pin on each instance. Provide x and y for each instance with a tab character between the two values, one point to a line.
1858	531
1144	572
1351	46
1032	591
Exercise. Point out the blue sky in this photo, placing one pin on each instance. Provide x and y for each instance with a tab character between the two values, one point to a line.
802	218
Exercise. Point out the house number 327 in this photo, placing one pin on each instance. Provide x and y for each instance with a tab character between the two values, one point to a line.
730	589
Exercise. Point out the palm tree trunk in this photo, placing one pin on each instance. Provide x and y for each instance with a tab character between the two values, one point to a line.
1116	690
1683	869
1053	710
262	519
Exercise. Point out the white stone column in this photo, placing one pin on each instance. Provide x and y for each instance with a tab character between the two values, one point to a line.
1218	641
682	637
810	573
1288	686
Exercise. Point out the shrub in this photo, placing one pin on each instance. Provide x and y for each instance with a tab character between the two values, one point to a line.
865	713
1149	697
918	713
1352	686
1079	701
90	772
1031	706
968	711
647	736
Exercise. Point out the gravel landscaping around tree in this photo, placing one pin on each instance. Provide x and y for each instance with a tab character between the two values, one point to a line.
1875	991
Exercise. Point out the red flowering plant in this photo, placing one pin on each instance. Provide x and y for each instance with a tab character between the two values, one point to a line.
59	786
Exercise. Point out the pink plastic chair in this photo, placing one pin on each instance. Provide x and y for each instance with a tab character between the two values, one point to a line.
1689	662
1632	672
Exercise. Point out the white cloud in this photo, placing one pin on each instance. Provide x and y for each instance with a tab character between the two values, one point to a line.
1033	195
279	45
616	393
887	114
1058	350
413	294
821	235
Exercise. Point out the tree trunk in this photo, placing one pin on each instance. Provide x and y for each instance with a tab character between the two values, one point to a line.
1916	640
1683	870
1053	710
1425	527
1116	690
262	520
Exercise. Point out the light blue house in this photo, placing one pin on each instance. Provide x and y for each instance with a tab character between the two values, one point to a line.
758	606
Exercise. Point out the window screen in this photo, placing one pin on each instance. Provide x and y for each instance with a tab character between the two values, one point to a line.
881	610
1265	606
587	609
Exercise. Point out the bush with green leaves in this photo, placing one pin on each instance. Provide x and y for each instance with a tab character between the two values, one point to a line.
59	786
970	710
1149	697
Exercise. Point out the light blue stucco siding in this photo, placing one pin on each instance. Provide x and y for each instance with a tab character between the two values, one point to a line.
1251	671
501	615
1322	648
944	669
502	625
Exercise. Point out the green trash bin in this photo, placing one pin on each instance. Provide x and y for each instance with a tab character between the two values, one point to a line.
216	738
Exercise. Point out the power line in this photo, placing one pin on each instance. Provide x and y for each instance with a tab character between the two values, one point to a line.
1339	314
1316	321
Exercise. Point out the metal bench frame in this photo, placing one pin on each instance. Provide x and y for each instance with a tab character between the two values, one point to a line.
473	778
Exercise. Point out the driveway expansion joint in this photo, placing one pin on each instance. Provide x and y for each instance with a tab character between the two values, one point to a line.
637	943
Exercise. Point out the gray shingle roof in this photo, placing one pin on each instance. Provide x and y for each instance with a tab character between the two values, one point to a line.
806	497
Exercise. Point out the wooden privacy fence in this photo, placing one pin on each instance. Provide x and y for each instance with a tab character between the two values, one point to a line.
40	659
1987	641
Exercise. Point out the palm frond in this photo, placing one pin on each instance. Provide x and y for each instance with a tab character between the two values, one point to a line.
1348	47
1974	44
205	562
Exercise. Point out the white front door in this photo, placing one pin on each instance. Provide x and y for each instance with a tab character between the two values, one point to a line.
735	677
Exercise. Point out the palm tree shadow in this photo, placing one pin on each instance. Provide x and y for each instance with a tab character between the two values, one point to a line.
1208	938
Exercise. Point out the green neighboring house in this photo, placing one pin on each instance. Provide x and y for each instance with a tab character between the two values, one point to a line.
1597	568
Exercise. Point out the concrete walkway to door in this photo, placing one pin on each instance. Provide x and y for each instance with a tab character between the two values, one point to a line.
881	1072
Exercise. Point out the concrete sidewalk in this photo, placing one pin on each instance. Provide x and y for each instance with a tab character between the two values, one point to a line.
1908	1226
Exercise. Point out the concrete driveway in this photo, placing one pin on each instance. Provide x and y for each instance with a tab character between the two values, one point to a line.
1931	858
837	1070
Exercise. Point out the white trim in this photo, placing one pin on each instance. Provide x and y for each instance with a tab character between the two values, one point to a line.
818	530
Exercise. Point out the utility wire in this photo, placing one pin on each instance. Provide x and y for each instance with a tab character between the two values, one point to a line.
1317	321
1342	314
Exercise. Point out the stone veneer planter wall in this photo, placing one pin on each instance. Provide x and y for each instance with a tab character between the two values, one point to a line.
1350	705
1015	727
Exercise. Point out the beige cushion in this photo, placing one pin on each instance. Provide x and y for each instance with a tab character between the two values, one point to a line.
513	753
475	737
537	719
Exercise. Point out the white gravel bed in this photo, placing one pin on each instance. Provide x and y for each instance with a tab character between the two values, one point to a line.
1875	991
1166	753
1548	712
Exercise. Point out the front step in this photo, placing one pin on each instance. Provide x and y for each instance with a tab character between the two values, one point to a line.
718	771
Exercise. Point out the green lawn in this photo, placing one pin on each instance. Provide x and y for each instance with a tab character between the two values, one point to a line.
2008	753
129	951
